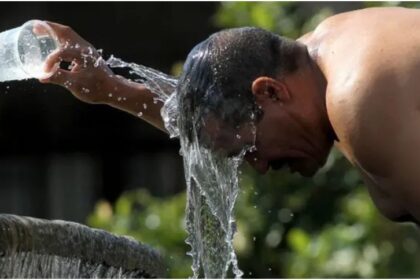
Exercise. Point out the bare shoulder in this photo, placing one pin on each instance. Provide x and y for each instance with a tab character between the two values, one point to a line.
370	20
361	14
373	95
365	115
372	69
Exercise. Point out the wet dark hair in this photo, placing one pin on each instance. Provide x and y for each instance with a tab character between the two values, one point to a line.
218	74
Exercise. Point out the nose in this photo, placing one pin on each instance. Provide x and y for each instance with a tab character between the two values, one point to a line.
258	164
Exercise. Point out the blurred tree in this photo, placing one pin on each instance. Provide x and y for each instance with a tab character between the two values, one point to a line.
158	222
288	226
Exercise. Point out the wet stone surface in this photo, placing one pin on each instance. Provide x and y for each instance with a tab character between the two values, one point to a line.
36	248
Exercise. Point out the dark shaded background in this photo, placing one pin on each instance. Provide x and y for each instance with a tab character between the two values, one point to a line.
58	155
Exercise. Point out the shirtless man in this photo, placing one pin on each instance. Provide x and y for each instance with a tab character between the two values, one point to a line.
353	81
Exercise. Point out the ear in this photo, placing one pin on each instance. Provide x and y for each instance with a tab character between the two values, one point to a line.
269	89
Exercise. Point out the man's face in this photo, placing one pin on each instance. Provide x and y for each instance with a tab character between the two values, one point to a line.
278	139
280	145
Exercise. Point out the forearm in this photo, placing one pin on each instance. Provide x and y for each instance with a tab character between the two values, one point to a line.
136	99
91	80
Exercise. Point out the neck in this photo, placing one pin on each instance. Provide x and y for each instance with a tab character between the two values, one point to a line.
321	90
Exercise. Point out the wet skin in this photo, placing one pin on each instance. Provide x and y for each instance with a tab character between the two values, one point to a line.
363	97
360	91
372	100
261	153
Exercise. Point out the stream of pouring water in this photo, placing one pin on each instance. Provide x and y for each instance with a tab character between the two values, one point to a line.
212	182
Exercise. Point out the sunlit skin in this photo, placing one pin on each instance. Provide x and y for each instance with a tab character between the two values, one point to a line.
360	90
302	136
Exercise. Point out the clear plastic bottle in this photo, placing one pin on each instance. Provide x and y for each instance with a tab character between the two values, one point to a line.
23	51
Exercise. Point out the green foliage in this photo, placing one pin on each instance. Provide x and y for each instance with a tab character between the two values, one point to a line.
411	4
285	18
326	226
288	226
158	222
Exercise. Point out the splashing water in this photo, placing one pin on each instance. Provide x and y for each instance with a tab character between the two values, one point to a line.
212	182
158	83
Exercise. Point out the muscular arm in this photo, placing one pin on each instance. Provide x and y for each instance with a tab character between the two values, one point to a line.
406	173
378	124
92	81
387	206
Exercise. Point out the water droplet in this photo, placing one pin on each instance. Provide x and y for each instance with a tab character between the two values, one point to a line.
110	94
238	136
67	84
269	269
254	239
77	46
255	206
119	99
255	193
145	106
140	114
253	148
97	61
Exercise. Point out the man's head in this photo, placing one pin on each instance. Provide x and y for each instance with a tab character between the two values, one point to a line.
246	80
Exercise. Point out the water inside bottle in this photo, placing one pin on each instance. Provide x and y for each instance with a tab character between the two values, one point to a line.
33	49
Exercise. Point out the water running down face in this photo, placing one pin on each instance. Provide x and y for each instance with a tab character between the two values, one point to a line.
234	76
284	135
268	146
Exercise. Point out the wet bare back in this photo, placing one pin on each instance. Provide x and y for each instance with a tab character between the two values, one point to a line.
371	59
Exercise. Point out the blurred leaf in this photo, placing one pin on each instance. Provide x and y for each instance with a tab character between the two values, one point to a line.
298	240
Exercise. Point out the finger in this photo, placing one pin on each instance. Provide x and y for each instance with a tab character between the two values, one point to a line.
75	67
52	60
60	55
59	29
60	77
40	28
64	33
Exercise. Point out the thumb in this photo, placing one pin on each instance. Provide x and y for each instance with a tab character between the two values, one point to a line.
60	77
